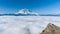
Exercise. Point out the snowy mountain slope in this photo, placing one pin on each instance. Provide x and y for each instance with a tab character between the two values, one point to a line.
25	24
22	12
27	12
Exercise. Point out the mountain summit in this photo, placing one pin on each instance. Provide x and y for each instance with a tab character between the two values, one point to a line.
27	12
51	29
24	11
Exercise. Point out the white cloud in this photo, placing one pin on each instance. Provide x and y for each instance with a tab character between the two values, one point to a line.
25	24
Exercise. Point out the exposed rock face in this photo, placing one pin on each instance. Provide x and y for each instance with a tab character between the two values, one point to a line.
51	29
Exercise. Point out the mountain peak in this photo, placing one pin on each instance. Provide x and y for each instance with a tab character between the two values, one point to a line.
24	11
51	29
27	12
50	24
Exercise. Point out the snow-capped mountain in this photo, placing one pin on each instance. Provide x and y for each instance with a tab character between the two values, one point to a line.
22	12
26	12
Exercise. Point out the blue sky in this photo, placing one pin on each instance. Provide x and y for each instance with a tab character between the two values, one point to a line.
42	6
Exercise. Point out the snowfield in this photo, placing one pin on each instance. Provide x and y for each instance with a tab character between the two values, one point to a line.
26	24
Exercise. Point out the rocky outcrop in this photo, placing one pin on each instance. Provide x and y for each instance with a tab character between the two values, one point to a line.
51	29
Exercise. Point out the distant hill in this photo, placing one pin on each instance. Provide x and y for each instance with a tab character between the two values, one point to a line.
51	29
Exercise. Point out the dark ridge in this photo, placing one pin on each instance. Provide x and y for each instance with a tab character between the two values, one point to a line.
26	15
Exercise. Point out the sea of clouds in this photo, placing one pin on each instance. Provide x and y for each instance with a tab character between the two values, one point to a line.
26	24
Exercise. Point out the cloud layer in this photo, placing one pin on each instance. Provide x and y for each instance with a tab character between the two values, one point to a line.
26	24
